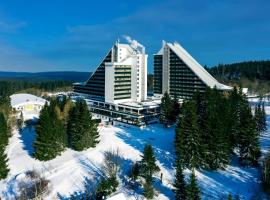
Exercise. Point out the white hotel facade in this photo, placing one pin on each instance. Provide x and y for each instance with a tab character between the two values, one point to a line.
117	89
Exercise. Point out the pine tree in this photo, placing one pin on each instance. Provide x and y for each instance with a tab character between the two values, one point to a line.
193	191
148	162
50	134
3	163
260	117
3	130
187	139
148	190
165	108
264	124
175	110
3	143
179	183
179	141
234	118
217	150
249	137
81	129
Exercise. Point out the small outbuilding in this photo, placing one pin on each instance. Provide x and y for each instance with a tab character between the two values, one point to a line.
27	104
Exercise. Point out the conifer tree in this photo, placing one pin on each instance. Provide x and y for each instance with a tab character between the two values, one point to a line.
234	118
264	124
50	134
3	130
179	183
193	191
148	162
175	110
3	163
3	143
217	149
187	139
249	137
179	141
81	129
165	108
148	190
260	117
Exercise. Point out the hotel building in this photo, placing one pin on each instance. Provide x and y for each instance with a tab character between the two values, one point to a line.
117	88
178	73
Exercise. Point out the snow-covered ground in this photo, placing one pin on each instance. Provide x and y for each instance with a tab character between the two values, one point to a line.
70	172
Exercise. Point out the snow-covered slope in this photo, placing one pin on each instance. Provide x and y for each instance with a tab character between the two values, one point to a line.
70	172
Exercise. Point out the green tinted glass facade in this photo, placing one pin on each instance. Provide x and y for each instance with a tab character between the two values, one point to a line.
96	84
122	82
158	74
183	81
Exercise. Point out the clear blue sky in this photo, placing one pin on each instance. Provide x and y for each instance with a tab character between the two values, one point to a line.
56	35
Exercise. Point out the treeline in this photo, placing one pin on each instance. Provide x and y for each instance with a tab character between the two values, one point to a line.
63	124
5	121
9	87
4	135
211	127
254	75
251	70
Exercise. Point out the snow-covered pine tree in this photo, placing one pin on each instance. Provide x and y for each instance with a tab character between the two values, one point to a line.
148	162
81	129
217	149
188	131
179	141
234	118
249	148
148	190
179	183
3	163
193	191
50	135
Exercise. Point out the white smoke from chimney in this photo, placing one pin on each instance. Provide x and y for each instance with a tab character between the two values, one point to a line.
134	43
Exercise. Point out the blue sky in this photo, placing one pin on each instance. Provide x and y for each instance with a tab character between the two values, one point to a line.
73	35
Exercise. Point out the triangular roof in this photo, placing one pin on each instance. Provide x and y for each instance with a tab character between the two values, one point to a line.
204	75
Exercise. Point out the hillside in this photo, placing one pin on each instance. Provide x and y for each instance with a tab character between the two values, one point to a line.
72	172
60	75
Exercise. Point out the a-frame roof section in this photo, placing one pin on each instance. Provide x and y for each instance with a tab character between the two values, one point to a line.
207	78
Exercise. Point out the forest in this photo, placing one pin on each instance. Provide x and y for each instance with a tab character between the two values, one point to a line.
254	75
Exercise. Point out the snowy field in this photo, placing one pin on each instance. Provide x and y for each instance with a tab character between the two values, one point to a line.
72	171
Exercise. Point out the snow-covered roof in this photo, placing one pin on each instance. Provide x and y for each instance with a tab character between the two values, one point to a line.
207	78
19	99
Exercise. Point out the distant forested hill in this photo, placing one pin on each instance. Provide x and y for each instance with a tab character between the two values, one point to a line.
252	74
252	70
41	76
